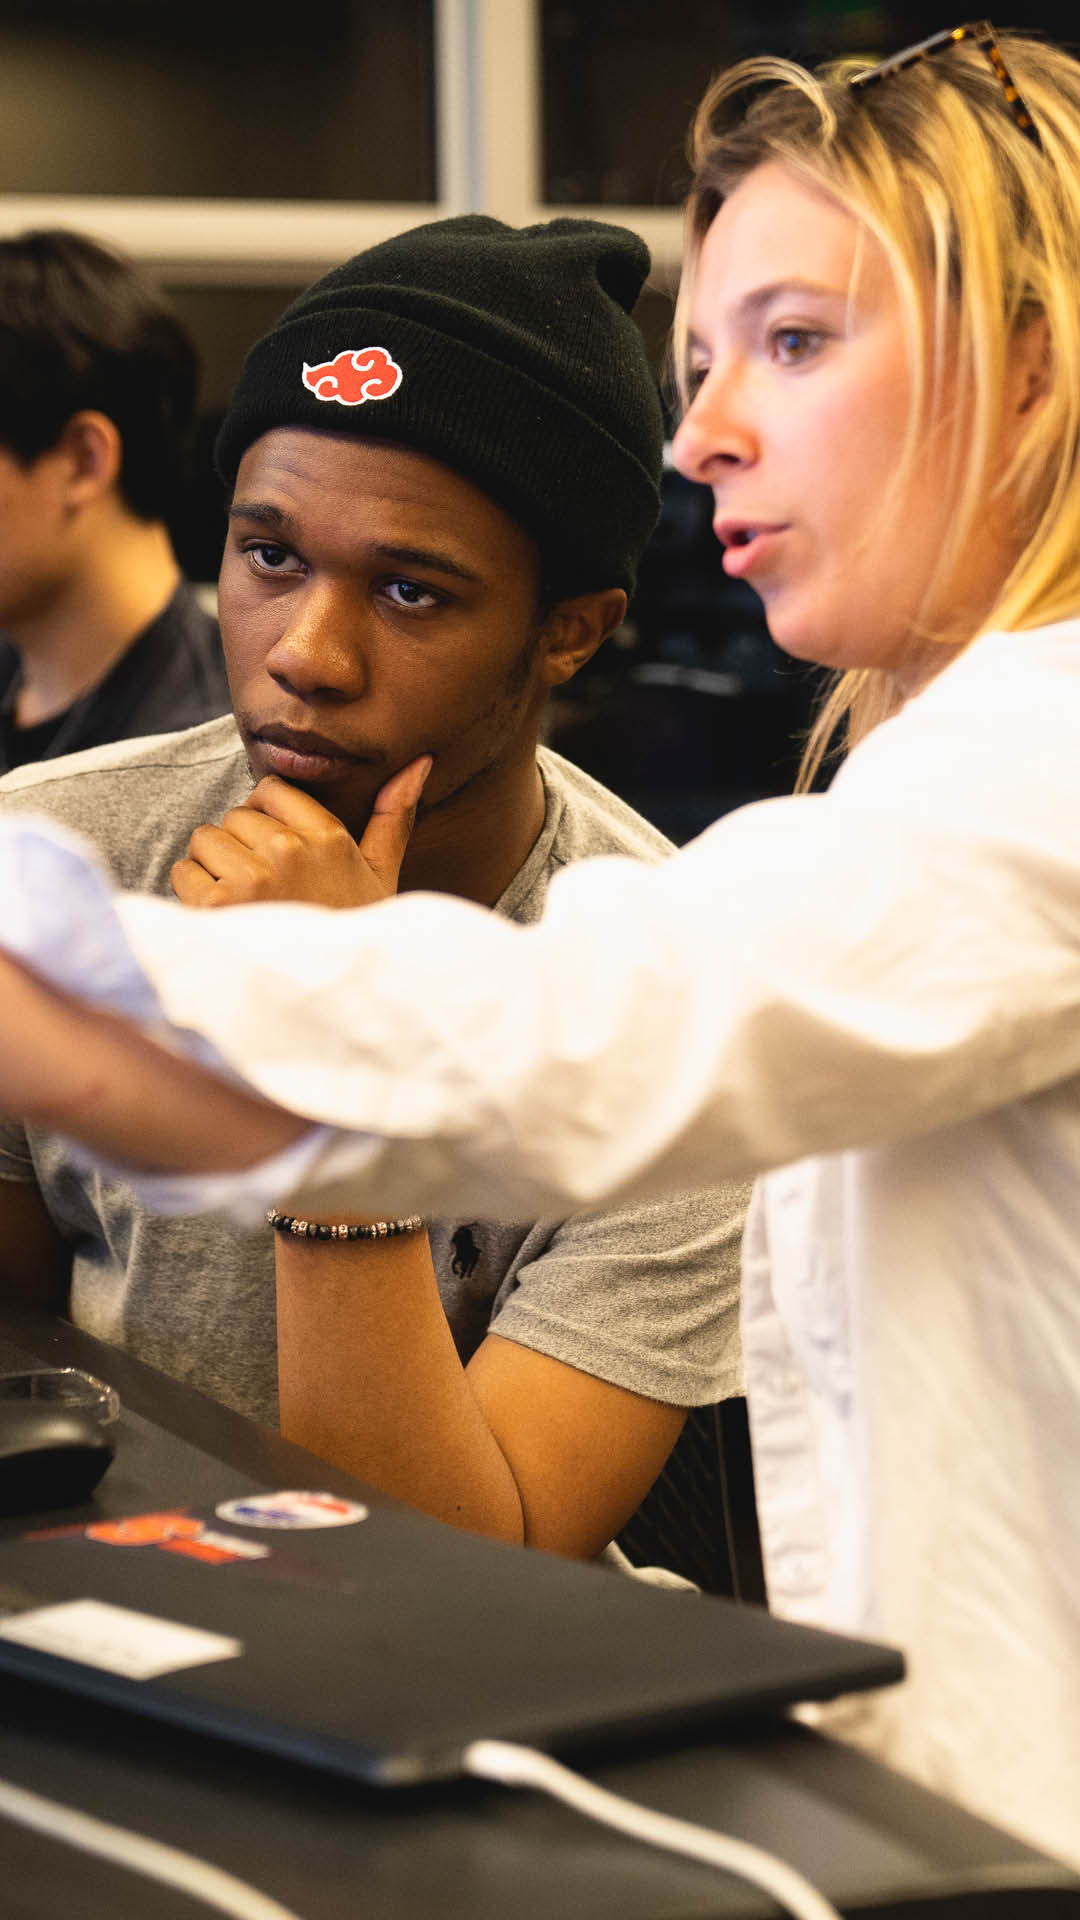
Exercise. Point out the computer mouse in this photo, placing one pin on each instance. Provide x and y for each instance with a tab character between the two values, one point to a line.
50	1456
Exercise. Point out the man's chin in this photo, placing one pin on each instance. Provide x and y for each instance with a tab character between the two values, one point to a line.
338	794
340	798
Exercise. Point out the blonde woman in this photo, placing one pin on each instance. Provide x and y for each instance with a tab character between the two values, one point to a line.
872	994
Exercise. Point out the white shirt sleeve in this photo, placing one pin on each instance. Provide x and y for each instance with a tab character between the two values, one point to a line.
810	974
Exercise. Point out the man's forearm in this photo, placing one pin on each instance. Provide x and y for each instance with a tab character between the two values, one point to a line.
369	1377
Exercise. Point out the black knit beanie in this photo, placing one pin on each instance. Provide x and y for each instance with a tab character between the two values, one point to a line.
506	353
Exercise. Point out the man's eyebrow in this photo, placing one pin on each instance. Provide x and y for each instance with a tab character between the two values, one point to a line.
262	513
424	557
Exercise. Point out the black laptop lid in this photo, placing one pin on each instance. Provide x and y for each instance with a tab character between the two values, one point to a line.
377	1642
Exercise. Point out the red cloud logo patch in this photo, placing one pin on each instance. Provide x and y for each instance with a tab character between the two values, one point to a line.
356	375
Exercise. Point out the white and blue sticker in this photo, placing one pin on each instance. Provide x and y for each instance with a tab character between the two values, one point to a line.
292	1511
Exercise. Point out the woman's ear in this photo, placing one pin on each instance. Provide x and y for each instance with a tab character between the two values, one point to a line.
94	454
574	629
1030	369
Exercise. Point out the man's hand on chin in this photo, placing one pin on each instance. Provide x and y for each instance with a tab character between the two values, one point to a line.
283	845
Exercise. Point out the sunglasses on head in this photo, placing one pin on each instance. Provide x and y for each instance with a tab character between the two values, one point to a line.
982	33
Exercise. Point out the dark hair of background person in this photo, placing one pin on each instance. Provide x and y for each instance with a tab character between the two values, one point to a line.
81	329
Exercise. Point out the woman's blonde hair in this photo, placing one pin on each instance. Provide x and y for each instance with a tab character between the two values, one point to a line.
982	229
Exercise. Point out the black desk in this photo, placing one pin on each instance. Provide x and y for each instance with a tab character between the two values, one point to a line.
877	1845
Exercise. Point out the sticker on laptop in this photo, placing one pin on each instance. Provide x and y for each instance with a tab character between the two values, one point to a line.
292	1510
196	1537
140	1646
176	1532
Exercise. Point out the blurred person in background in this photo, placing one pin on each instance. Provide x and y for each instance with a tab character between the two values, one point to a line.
103	639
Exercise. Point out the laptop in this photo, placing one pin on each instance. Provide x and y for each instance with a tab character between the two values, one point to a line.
370	1640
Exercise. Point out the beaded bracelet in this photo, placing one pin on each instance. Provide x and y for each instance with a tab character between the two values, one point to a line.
319	1230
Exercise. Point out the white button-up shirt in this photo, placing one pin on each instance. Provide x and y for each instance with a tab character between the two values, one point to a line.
875	995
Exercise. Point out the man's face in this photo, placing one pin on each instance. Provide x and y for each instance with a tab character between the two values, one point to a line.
375	606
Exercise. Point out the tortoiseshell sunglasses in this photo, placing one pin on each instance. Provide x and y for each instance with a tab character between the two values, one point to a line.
983	35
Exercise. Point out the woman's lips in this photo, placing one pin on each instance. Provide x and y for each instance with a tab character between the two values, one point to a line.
745	544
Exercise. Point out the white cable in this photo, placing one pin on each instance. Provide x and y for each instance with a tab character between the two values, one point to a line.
498	1760
515	1766
150	1857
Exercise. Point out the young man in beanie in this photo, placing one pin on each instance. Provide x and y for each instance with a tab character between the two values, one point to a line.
444	462
100	637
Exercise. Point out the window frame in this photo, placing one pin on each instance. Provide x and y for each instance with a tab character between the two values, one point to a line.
487	142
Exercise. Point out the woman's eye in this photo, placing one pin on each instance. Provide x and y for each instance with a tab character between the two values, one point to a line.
696	377
792	345
410	594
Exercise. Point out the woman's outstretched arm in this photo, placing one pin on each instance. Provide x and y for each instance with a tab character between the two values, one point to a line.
89	1074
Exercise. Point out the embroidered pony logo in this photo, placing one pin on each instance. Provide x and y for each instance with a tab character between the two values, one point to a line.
353	376
466	1253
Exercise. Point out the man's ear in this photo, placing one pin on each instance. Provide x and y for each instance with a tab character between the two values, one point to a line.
93	452
574	629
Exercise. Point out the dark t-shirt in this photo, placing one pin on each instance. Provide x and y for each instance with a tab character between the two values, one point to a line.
172	675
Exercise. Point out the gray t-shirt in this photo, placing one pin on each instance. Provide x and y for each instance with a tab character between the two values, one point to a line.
645	1297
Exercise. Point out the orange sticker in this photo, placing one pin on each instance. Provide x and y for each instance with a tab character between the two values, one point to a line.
145	1529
